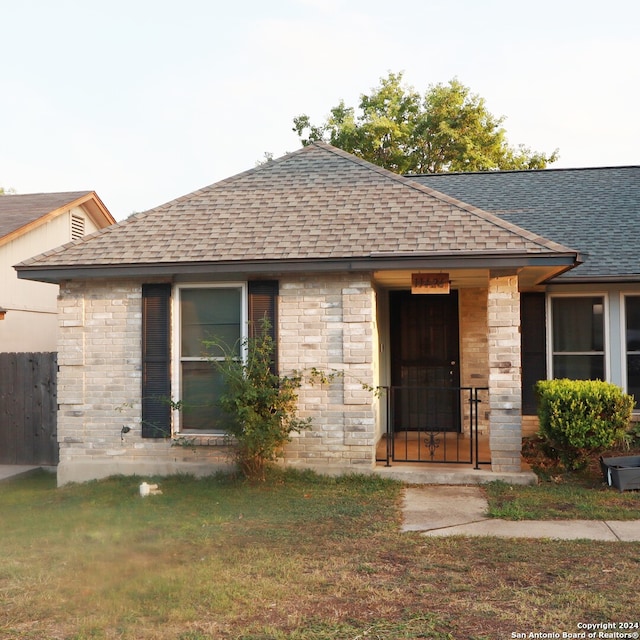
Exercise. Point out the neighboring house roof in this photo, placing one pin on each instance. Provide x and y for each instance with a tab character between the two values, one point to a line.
595	210
21	212
317	208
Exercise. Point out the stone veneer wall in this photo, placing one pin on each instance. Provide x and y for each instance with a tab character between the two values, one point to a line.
327	322
503	317
474	351
99	389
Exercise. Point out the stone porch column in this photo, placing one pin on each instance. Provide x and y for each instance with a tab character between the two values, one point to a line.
505	399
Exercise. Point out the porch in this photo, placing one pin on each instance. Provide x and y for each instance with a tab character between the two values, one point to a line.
440	435
443	473
451	365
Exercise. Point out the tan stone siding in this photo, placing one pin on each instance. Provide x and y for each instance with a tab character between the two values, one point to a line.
474	351
99	389
328	323
503	319
325	323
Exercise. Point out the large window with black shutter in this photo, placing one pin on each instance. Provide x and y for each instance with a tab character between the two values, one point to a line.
210	322
205	314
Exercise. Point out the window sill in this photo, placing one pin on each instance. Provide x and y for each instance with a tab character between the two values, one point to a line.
202	440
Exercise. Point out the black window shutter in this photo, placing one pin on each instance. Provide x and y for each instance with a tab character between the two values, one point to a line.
156	360
534	347
263	303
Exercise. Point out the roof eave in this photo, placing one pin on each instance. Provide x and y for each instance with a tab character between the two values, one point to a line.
374	262
592	279
91	203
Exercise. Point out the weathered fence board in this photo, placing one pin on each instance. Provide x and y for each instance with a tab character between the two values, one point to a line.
28	408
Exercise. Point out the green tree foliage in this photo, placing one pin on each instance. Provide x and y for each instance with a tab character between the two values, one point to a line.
447	129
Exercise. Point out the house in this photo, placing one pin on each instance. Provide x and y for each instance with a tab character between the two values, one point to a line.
583	323
31	224
382	277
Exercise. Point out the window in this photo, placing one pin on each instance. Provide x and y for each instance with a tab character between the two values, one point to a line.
175	321
632	345
205	313
578	337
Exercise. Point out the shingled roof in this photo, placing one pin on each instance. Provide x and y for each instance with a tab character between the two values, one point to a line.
309	209
17	211
595	210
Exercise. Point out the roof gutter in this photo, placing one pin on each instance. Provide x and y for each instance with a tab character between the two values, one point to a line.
374	262
610	279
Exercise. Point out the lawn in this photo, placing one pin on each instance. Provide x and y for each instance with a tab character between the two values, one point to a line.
561	501
564	496
299	557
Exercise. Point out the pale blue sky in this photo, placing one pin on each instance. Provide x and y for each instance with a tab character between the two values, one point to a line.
146	100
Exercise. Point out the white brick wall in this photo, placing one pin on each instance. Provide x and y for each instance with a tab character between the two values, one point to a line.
327	322
99	390
503	317
99	384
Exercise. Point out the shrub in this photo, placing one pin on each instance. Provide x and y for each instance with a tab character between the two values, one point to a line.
581	417
260	406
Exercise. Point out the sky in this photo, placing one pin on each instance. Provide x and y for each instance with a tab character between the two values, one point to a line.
144	101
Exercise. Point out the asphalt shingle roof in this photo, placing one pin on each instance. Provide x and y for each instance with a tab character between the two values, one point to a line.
316	203
594	210
19	210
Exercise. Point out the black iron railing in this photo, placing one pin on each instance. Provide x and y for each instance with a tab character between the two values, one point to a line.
435	424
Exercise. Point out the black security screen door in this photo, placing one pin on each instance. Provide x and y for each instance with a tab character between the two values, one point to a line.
425	373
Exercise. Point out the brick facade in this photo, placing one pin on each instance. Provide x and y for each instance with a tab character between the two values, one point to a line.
328	324
99	388
503	320
474	351
325	324
326	321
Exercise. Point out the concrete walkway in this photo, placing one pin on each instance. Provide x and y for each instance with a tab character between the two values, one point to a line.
462	511
8	471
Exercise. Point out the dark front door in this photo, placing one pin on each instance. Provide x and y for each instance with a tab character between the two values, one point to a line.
425	373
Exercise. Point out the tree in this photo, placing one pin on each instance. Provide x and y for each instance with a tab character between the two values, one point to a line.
6	192
449	129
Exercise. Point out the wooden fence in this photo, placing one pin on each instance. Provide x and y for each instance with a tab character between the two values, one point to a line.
28	408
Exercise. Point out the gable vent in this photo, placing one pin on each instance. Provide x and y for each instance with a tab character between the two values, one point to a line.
77	227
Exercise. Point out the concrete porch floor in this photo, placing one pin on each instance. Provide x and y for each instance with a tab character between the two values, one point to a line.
428	471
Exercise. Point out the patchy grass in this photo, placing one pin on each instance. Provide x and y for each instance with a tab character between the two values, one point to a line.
562	495
565	501
299	557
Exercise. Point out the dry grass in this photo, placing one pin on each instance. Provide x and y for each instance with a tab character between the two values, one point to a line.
564	495
296	558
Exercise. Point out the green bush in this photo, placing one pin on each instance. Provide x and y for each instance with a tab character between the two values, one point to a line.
581	417
260	406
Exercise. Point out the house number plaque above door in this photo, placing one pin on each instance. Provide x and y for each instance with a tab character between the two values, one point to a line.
430	283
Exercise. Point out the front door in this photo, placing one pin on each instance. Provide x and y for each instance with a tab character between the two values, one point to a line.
425	372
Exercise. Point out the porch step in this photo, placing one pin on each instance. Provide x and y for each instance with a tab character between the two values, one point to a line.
9	471
452	475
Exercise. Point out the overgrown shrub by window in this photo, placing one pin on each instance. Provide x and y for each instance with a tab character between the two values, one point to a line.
580	417
260	406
